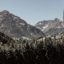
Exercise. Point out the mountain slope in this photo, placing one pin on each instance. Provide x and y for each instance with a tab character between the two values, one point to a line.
5	39
15	27
51	27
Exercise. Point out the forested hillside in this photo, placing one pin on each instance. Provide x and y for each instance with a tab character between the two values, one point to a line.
46	50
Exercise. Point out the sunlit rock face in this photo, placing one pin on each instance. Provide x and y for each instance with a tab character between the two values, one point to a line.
51	27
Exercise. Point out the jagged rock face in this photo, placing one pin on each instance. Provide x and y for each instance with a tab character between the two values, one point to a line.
13	26
51	27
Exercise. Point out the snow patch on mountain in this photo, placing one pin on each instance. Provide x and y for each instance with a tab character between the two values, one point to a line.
44	27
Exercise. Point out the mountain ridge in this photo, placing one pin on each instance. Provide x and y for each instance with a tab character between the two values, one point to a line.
51	27
16	27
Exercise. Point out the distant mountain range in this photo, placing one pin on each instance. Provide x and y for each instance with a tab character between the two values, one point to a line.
15	27
51	27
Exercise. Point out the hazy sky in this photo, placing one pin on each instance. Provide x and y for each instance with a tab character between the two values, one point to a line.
34	10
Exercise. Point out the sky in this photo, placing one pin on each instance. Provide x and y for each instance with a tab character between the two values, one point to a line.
33	11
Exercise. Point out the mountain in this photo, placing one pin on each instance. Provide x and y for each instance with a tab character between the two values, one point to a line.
5	39
51	27
15	27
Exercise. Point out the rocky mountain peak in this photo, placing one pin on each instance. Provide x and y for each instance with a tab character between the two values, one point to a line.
55	26
57	19
15	27
5	11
